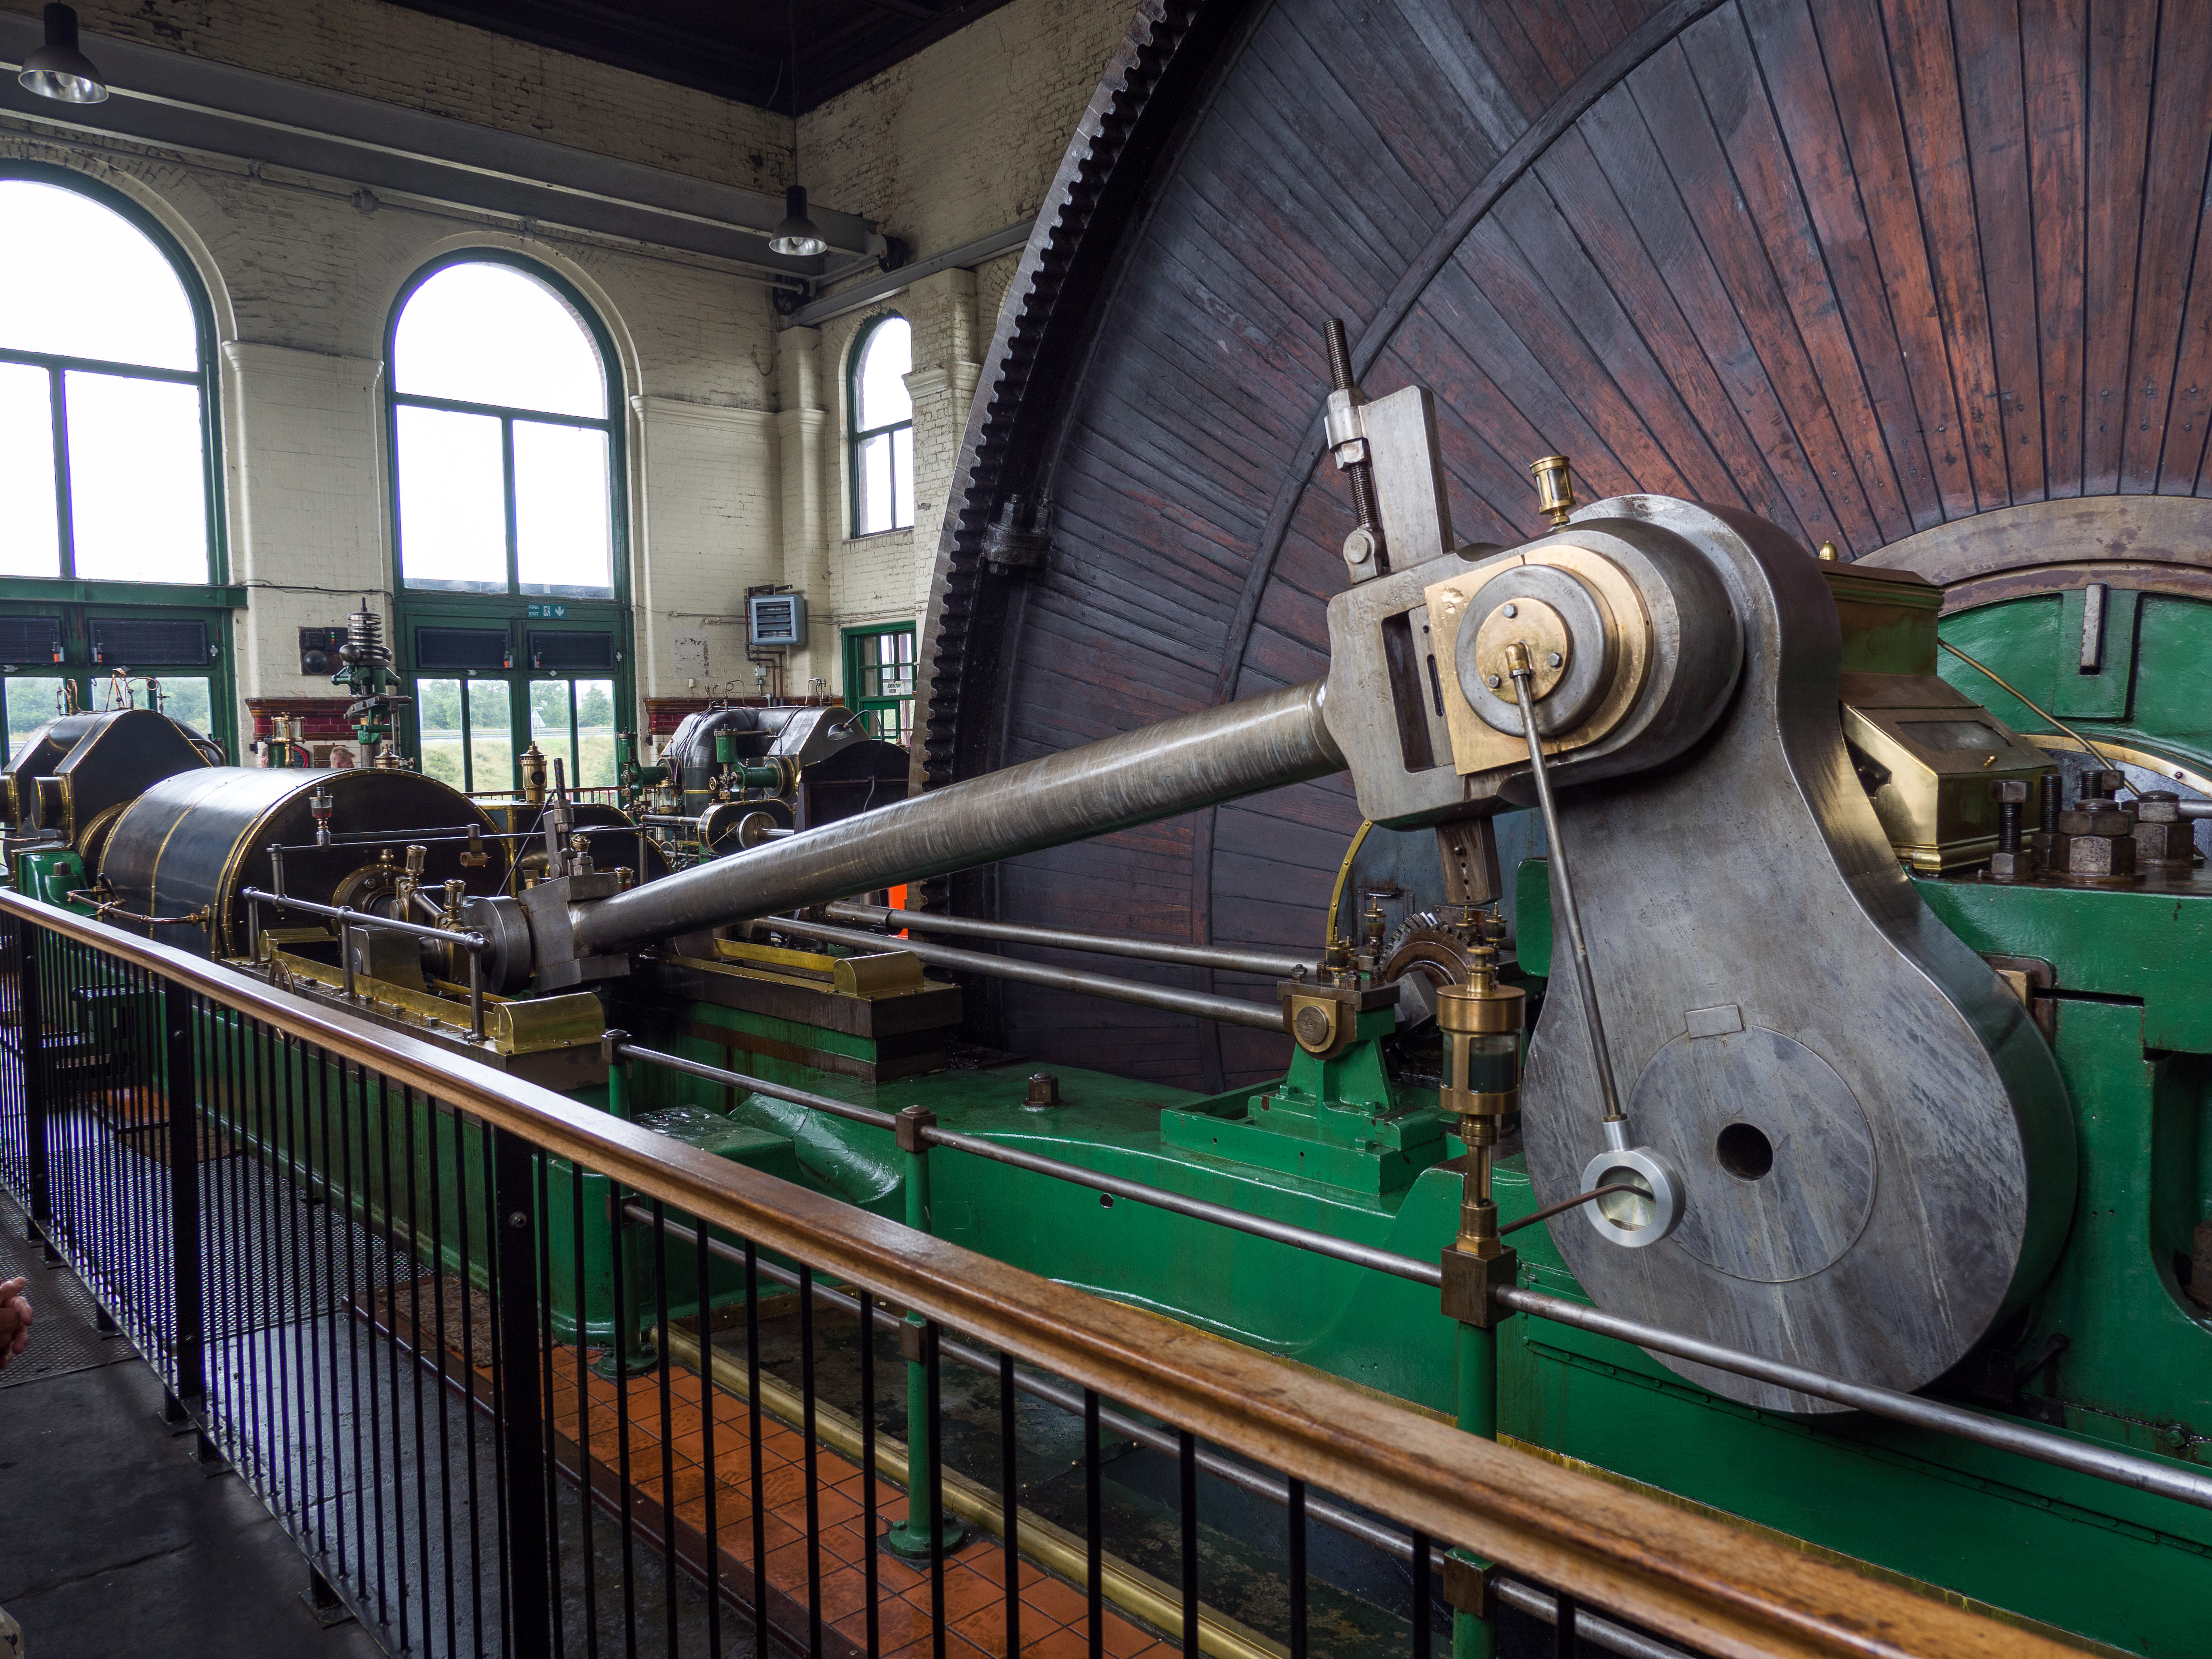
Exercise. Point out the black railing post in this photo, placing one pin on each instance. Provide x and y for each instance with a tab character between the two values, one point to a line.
32	1034
522	1411
187	1348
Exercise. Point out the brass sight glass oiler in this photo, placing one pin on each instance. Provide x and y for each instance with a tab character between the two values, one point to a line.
1481	1022
1555	488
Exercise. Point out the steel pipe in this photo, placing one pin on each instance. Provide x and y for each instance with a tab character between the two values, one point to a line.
1231	1011
2123	1468
2101	1463
1155	772
1060	939
346	915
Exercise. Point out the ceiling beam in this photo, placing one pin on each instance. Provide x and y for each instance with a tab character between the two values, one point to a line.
166	99
627	39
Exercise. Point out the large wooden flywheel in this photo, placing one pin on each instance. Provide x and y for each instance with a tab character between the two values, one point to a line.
1863	268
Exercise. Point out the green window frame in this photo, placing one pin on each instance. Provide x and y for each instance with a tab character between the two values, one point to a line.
494	730
59	368
30	692
880	677
611	423
896	437
502	710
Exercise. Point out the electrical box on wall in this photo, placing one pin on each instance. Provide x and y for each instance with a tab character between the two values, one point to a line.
319	650
776	618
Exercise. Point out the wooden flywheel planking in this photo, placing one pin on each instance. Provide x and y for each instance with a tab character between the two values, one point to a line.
1862	269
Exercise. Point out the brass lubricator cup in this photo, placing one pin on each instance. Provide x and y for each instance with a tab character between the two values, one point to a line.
1481	1023
1555	488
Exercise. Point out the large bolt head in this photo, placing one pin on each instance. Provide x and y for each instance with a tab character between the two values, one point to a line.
2160	806
2164	839
2094	819
2105	854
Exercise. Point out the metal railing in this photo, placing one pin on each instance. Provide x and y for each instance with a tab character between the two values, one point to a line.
2165	1478
522	1377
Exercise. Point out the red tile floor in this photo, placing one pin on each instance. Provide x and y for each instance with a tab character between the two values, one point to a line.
670	1454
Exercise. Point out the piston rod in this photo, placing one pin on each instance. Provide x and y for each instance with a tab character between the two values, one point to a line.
1233	1010
1155	772
1060	939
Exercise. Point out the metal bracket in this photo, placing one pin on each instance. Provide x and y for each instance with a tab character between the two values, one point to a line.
912	1120
1472	1283
1467	1580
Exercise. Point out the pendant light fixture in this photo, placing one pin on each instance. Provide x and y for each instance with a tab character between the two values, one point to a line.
798	237
58	70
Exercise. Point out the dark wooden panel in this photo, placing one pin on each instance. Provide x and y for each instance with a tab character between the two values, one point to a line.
2054	55
2122	37
1994	106
2180	132
1867	267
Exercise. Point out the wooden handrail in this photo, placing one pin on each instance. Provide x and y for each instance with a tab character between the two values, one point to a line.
1700	1582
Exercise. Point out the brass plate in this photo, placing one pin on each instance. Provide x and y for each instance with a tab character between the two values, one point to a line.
878	974
1478	747
1538	627
513	1026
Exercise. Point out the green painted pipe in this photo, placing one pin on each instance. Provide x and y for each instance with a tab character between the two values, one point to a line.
1476	1362
910	1537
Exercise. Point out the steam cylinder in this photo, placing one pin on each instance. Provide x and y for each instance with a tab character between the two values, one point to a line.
196	840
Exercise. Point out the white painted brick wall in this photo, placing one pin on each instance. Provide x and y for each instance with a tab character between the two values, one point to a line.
955	143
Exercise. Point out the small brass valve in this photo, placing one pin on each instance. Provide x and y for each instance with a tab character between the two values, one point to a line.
1481	1022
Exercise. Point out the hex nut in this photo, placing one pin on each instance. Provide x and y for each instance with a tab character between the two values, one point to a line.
2106	855
2104	782
2160	806
2097	819
2012	867
2009	791
2163	842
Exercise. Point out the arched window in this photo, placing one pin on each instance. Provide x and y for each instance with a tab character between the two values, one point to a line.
882	416
503	439
106	450
507	450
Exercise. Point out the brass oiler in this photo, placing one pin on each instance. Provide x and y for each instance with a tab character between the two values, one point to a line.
1481	1022
1555	488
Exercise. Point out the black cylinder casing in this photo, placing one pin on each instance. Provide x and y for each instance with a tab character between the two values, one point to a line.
193	841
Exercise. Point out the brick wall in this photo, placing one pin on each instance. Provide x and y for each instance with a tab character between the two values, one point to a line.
724	491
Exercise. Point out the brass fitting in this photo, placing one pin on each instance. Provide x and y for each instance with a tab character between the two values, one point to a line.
533	775
1555	488
1481	1022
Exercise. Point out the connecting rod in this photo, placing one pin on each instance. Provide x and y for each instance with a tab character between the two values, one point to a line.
1155	772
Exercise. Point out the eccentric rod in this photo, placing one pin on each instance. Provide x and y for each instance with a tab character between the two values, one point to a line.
1060	939
1523	671
1155	772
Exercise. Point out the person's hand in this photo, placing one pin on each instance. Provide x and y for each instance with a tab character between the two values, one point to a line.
14	1319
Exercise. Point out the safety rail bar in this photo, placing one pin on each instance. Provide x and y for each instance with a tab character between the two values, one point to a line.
2081	1456
1713	1587
1400	1546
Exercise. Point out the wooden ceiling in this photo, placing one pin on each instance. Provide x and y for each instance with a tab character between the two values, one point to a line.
744	52
1859	266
